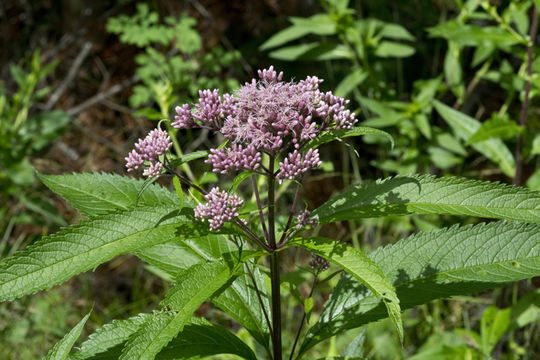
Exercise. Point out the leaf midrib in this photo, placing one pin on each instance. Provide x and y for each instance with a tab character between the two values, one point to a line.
233	287
87	252
181	312
445	272
488	209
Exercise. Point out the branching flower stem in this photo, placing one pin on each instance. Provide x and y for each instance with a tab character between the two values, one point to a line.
257	291
315	281
250	234
259	205
293	210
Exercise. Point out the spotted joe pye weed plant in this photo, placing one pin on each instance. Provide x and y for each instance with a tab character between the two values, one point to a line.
214	251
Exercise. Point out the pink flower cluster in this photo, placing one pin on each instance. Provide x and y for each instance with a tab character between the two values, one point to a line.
220	207
267	116
156	143
234	158
296	163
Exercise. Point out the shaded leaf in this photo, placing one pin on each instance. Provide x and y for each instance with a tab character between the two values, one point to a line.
363	268
239	300
193	287
433	265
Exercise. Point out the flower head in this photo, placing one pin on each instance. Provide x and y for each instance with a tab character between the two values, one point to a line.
265	116
220	207
156	143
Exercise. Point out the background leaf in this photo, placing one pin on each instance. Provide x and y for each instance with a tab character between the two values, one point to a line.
496	127
465	127
61	350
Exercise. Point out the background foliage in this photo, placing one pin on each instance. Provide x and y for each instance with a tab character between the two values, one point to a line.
81	80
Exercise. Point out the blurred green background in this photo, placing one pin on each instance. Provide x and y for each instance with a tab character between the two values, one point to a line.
82	80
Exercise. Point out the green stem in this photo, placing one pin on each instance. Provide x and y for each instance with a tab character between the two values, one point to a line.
179	152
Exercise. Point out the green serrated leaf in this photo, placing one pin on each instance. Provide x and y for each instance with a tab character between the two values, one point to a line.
332	135
426	194
363	268
193	287
239	300
432	265
465	126
110	336
198	338
100	193
61	350
79	248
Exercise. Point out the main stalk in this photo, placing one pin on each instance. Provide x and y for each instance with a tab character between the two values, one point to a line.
274	266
